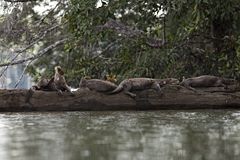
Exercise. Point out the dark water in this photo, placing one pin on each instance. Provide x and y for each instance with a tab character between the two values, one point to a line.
160	135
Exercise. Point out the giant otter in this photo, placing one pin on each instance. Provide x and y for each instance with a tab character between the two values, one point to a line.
59	80
45	85
206	81
97	85
56	83
132	84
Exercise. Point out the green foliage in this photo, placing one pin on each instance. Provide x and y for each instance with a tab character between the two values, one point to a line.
203	37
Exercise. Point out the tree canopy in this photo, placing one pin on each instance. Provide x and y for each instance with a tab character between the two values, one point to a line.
137	38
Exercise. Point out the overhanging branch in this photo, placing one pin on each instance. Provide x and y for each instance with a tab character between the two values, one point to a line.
39	54
18	52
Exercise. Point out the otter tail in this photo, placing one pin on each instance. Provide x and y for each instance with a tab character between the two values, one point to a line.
118	89
182	83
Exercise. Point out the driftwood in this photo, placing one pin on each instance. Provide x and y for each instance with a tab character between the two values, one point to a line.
174	97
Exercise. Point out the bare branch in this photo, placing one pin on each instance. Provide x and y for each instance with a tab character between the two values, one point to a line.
43	35
19	80
27	47
44	17
39	54
110	45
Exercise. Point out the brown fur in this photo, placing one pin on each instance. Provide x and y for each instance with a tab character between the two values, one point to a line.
97	85
56	83
59	80
132	84
45	85
206	81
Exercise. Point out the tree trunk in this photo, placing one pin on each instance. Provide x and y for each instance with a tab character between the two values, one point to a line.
174	97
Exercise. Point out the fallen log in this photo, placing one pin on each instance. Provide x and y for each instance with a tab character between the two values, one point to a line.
174	97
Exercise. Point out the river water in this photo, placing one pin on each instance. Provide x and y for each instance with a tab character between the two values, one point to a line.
151	135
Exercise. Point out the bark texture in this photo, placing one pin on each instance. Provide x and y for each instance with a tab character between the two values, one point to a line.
174	97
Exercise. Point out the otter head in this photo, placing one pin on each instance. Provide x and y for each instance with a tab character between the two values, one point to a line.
59	70
111	78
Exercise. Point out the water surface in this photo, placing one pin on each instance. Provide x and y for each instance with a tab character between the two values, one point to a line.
152	135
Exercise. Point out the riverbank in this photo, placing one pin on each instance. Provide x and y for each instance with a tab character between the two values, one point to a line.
174	97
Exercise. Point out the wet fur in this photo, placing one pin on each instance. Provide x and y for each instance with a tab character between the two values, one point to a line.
59	80
133	84
206	81
45	85
97	85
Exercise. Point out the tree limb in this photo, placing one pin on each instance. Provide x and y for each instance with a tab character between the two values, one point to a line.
19	80
39	54
18	52
44	17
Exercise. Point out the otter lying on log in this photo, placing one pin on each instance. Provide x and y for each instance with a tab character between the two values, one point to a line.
45	85
142	84
97	85
56	83
132	84
206	81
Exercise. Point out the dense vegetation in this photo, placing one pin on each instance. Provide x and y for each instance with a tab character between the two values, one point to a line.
144	38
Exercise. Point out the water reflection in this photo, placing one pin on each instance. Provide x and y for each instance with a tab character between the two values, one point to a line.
167	135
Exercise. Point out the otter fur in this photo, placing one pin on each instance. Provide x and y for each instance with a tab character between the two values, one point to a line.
133	84
59	80
45	85
56	83
97	85
206	81
167	81
41	84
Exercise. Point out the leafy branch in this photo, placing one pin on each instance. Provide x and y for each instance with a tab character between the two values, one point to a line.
130	32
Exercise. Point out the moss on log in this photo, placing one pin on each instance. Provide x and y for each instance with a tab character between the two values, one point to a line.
174	97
